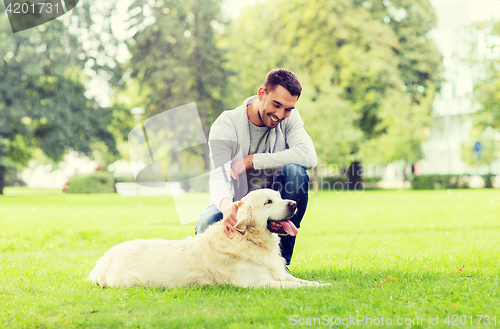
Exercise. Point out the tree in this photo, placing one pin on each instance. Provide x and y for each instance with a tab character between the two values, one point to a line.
42	96
481	149
403	122
175	59
485	59
356	59
487	84
419	60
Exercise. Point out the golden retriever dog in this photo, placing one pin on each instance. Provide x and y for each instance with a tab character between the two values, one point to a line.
252	259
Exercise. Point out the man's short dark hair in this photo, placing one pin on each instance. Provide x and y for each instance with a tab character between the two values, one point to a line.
284	78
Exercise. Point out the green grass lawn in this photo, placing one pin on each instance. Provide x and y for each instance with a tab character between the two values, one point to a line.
400	255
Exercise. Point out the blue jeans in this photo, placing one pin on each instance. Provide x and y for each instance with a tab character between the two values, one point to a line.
292	182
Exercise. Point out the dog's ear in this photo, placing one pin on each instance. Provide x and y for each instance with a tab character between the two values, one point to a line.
243	216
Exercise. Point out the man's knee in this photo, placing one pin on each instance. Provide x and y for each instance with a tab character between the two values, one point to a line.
295	172
293	169
202	225
295	179
208	217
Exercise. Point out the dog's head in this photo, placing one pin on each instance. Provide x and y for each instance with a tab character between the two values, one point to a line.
266	209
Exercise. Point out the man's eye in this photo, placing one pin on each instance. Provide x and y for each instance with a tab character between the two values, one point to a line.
276	106
268	202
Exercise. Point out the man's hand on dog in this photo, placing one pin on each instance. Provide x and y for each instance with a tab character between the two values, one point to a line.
229	217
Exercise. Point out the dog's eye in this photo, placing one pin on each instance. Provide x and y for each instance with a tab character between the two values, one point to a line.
268	202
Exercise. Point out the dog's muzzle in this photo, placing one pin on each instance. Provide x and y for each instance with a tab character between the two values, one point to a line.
284	226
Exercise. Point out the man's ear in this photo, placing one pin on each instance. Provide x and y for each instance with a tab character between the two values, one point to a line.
243	216
261	92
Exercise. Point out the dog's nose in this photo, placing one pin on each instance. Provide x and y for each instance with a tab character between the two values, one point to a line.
292	204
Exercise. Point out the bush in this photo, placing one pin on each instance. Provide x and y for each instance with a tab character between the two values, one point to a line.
12	178
125	179
423	182
431	182
370	183
193	181
98	182
197	184
337	183
488	180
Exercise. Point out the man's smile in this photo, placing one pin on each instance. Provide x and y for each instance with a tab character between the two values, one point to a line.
274	118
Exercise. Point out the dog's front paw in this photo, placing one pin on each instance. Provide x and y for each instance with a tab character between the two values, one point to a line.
318	284
324	284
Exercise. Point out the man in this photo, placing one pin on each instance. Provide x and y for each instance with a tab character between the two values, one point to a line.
265	142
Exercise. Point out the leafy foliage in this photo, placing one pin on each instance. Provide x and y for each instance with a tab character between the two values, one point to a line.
42	95
98	182
430	182
487	84
175	60
486	119
490	150
369	70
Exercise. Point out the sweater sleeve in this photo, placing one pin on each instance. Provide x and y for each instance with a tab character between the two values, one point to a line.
221	144
300	148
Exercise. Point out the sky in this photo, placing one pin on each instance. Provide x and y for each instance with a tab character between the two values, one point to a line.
478	9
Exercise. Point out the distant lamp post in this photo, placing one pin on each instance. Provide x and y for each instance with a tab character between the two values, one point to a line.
137	112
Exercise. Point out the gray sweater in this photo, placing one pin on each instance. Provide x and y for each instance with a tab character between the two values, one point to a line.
229	141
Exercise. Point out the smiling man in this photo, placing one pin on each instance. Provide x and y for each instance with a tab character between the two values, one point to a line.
267	146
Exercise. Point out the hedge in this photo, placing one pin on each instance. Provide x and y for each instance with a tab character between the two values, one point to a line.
97	182
104	182
431	182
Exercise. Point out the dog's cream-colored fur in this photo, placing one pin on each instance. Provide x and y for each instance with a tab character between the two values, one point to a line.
249	260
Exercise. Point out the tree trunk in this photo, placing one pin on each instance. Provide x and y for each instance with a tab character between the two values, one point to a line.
204	123
405	178
200	85
354	176
488	181
2	179
3	169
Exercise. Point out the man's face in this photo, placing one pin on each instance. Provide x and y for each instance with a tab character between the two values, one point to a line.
275	105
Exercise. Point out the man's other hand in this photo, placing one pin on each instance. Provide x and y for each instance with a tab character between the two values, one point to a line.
241	165
230	209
